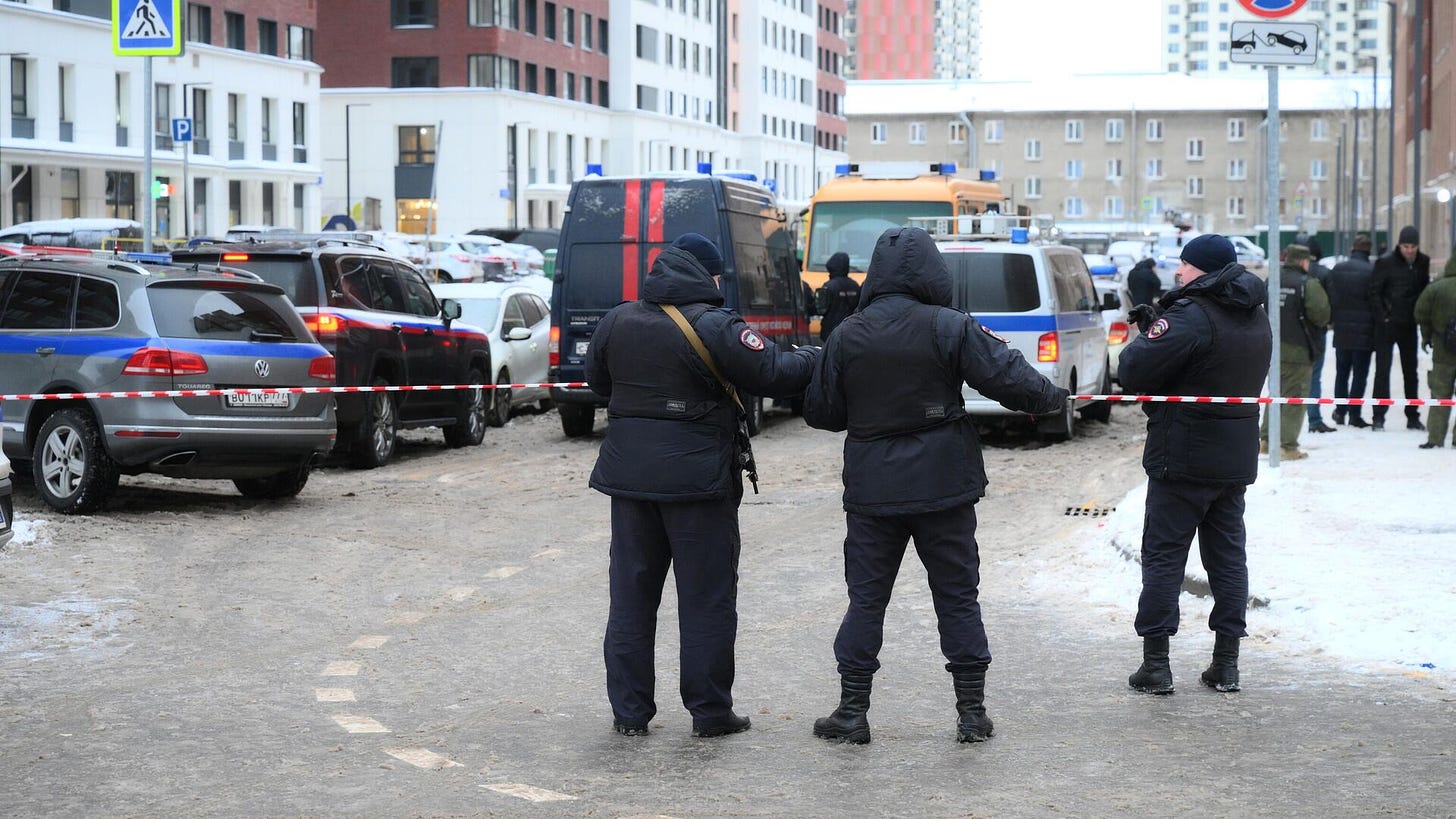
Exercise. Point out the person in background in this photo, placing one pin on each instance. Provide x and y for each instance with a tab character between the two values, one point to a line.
1320	341
1143	282
1354	329
891	375
1304	312
1435	314
670	464
1212	338
841	294
1395	283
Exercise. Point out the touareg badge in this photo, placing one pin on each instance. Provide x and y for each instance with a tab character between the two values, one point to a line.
993	334
1159	327
750	339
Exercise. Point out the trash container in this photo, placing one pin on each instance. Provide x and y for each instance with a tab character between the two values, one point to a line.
549	266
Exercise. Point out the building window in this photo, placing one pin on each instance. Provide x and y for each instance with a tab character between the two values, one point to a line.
1237	129
417	145
235	202
1195	148
1112	207
70	193
1317	206
957	134
549	16
531	17
300	133
1155	130
878	133
235	31
492	71
498	13
532	86
1318	169
1114	169
268	38
586	31
199	23
415	72
162	119
199	206
1155	169
1114	130
647	43
121	194
995	130
1033	149
1072	207
1195	187
269	205
917	133
19	90
568	26
298	205
413	13
1073	130
300	43
646	98
1238	169
1033	187
550	89
200	128
269	112
1074	169
1319	130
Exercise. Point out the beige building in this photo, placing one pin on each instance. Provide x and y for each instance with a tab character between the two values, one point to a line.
1138	148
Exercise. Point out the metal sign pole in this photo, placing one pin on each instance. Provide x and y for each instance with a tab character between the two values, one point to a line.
148	138
1271	175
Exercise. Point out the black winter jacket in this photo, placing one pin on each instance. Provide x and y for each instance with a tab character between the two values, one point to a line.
1395	284
841	296
670	426
1213	339
891	375
1143	282
1351	313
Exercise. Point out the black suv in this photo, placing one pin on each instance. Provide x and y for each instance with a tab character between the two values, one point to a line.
377	315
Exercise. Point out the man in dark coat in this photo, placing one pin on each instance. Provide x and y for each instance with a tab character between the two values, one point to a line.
1320	341
1395	283
1354	325
1143	282
1213	338
841	294
669	463
892	375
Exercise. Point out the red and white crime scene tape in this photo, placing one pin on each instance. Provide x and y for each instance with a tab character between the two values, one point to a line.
1169	399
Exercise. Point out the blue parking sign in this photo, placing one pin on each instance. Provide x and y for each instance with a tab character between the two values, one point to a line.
146	28
182	129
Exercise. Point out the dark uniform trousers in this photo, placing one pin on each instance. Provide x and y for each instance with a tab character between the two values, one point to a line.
699	540
873	550
1387	339
1175	511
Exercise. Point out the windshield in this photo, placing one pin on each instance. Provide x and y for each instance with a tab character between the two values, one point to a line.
231	314
854	227
993	282
480	312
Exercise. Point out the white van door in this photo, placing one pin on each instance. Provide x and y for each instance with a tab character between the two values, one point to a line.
1079	322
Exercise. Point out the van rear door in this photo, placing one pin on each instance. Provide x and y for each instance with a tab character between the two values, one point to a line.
1004	292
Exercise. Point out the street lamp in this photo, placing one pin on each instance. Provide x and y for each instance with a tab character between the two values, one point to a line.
186	152
5	181
348	147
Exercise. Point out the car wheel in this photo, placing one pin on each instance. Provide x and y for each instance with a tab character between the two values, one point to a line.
1061	426
1298	49
1101	411
1271	40
374	444
72	471
444	278
753	406
285	484
500	400
470	418
1248	49
577	419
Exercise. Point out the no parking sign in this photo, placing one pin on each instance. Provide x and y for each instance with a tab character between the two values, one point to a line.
1272	8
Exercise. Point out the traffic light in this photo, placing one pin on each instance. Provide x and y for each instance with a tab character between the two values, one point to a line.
162	190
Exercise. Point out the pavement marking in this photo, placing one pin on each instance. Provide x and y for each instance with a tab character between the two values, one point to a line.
333	695
461	593
547	553
423	758
528	792
359	725
408	617
504	572
342	668
369	641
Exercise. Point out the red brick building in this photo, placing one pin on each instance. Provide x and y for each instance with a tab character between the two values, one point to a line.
830	122
894	40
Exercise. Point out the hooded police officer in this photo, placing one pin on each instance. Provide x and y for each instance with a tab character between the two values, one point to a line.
669	464
841	294
891	375
1212	338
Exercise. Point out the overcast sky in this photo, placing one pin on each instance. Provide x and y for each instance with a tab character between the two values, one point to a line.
1046	39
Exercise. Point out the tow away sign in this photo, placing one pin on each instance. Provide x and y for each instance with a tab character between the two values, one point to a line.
1273	43
146	28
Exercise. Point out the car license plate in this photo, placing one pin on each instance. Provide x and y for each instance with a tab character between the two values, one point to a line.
581	347
268	400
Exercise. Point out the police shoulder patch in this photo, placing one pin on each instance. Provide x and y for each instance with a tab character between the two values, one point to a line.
750	339
993	334
1159	327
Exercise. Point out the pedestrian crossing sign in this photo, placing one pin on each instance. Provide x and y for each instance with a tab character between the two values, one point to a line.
146	28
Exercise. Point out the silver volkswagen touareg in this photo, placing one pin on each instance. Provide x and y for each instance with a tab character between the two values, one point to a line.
72	324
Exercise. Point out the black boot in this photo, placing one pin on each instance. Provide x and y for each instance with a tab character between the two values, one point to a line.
1223	673
848	723
970	688
1153	676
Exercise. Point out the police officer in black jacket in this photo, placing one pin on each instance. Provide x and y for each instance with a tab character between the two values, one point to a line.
841	294
1395	283
669	464
1212	338
1353	320
891	375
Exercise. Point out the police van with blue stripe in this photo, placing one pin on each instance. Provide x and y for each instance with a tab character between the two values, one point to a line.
1019	283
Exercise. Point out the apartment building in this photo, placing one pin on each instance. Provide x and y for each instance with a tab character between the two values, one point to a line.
914	40
1196	34
74	141
1425	142
1135	148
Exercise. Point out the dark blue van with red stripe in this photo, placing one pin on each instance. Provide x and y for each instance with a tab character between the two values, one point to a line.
613	230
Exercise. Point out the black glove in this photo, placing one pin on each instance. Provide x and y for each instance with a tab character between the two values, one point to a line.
1143	316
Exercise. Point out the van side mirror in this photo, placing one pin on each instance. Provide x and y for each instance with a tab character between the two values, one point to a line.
450	309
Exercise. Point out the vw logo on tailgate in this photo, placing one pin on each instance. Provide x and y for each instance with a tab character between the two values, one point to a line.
261	368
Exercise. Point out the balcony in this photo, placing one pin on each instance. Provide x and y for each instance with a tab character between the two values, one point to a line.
22	127
202	145
300	153
270	152
235	149
68	131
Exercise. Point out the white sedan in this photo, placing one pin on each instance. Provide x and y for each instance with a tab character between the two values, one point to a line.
1116	302
518	322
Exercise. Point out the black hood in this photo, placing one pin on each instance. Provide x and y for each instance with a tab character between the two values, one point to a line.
1232	286
906	262
677	277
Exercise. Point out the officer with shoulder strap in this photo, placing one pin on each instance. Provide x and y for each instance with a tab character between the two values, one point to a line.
1435	314
1304	313
671	467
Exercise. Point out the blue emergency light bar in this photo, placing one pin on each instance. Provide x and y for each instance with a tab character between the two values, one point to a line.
943	168
148	258
845	169
1020	236
705	167
594	169
988	176
746	176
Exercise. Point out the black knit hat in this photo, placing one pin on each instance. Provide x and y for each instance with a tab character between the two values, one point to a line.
703	250
838	264
1409	236
1209	252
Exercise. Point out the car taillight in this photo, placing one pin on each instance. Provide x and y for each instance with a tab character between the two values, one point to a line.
322	368
235	257
460	257
1047	347
159	361
325	324
1117	333
553	348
